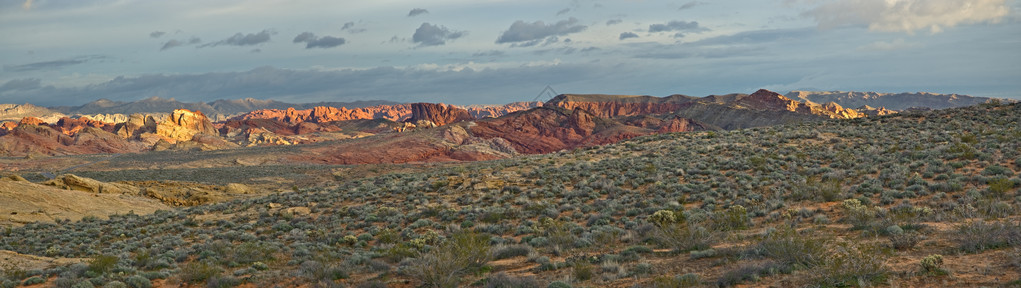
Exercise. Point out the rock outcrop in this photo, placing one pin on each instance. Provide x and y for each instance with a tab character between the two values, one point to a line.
892	101
610	106
437	114
545	130
182	125
15	112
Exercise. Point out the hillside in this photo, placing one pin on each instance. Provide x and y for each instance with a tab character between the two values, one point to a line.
894	101
838	202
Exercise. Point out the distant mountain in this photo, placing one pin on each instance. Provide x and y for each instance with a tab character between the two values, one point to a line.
731	111
14	112
893	101
218	107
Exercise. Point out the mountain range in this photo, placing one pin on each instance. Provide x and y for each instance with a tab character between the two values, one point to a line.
465	132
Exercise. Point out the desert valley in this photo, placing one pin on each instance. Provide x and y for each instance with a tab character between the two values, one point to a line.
760	189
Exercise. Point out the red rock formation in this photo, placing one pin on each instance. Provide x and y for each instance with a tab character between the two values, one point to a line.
329	114
438	114
610	106
71	126
183	124
31	121
494	111
42	139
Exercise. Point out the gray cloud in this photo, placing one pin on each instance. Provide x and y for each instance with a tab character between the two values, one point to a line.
21	84
756	37
614	22
490	53
382	83
52	65
240	39
177	43
434	35
907	15
563	11
690	5
627	35
157	34
676	26
348	25
313	41
417	11
524	34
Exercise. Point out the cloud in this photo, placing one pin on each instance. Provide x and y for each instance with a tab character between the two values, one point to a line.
627	35
677	26
347	25
434	35
490	53
177	43
21	84
459	86
613	22
690	5
52	65
896	44
524	34
563	11
27	5
157	34
755	37
907	15
240	39
417	11
313	41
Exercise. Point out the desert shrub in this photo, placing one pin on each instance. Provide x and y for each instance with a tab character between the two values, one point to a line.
115	284
788	247
933	264
198	271
583	270
83	284
509	251
443	266
697	254
138	281
734	218
904	241
747	272
675	232
33	281
852	264
558	284
679	281
102	263
977	236
999	186
502	280
857	214
222	281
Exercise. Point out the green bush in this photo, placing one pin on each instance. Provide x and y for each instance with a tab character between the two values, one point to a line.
933	264
788	247
443	266
852	264
138	281
583	270
102	263
198	271
33	281
857	214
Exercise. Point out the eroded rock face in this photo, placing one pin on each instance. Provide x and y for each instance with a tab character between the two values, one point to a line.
135	126
610	106
71	126
437	114
26	140
182	125
892	101
323	114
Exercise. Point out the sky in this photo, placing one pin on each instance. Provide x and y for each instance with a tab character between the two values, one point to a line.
70	52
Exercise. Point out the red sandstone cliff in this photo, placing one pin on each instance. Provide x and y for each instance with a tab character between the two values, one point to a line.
437	114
